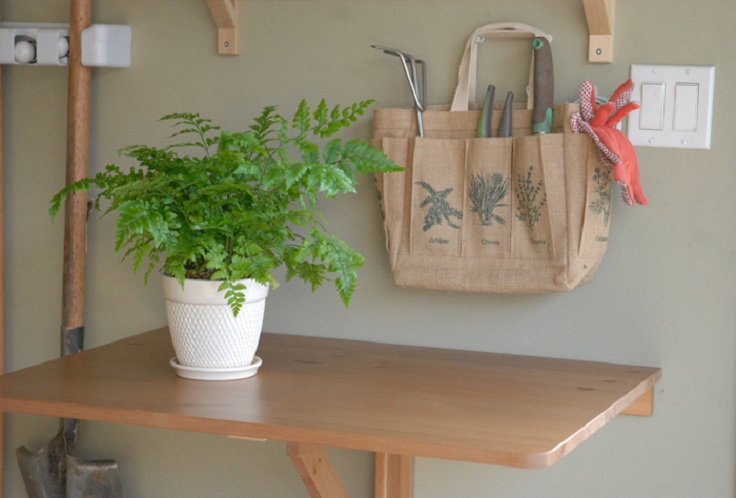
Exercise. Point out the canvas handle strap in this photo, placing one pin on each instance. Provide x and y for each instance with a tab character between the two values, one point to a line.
467	72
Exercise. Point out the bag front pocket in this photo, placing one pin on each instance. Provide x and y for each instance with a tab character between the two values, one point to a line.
538	198
392	193
595	183
487	228
437	197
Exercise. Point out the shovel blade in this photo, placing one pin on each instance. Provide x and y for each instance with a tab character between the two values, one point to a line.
52	473
92	479
40	474
44	471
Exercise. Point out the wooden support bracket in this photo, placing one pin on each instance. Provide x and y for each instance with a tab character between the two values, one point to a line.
394	473
600	16
316	470
642	406
394	476
226	15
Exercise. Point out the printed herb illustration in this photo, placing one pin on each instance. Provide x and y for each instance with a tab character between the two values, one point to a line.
485	193
439	207
530	203
602	205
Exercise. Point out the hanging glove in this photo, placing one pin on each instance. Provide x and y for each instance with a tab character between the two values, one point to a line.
614	146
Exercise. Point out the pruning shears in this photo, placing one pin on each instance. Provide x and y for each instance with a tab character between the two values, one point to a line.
486	117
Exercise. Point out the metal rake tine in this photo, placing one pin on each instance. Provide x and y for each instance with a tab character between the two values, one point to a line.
424	83
415	81
418	105
410	78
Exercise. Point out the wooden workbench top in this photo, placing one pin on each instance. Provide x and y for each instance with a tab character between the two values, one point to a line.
493	408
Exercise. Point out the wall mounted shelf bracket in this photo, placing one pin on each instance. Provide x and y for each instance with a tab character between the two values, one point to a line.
600	16
225	13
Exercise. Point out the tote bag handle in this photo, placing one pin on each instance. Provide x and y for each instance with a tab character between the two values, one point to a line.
467	72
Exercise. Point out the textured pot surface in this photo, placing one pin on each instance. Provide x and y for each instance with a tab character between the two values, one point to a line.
204	332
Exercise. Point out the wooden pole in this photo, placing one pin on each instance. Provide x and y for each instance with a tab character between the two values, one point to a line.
2	287
75	216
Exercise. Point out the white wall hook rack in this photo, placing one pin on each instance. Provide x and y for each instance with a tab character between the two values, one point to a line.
103	45
41	44
106	45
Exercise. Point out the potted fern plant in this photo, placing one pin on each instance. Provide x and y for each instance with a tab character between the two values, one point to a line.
219	211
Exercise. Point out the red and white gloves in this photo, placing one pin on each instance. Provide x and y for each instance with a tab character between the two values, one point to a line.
615	147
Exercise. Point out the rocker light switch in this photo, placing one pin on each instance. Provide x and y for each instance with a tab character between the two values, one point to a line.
676	106
686	107
651	116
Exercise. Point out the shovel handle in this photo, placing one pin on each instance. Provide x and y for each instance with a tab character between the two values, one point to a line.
77	155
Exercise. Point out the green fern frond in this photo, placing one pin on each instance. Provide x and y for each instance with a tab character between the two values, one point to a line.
242	204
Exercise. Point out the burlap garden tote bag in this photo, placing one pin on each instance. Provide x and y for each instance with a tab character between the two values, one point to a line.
524	214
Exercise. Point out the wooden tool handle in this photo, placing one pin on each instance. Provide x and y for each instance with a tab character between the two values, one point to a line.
75	216
544	86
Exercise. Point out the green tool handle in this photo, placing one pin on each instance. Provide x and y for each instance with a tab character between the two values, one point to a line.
486	116
506	127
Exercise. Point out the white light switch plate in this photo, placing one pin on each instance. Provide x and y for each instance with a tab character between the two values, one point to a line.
676	106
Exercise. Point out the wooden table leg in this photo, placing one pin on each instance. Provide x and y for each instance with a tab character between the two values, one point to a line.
394	476
316	470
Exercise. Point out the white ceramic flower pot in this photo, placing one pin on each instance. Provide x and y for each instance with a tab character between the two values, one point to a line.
204	332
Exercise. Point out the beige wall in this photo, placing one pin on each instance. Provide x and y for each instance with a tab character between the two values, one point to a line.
664	295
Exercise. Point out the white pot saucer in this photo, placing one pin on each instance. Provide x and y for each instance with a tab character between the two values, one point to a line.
199	373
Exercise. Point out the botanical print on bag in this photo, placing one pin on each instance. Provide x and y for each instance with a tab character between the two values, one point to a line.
436	197
528	206
486	193
439	208
487	198
602	188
